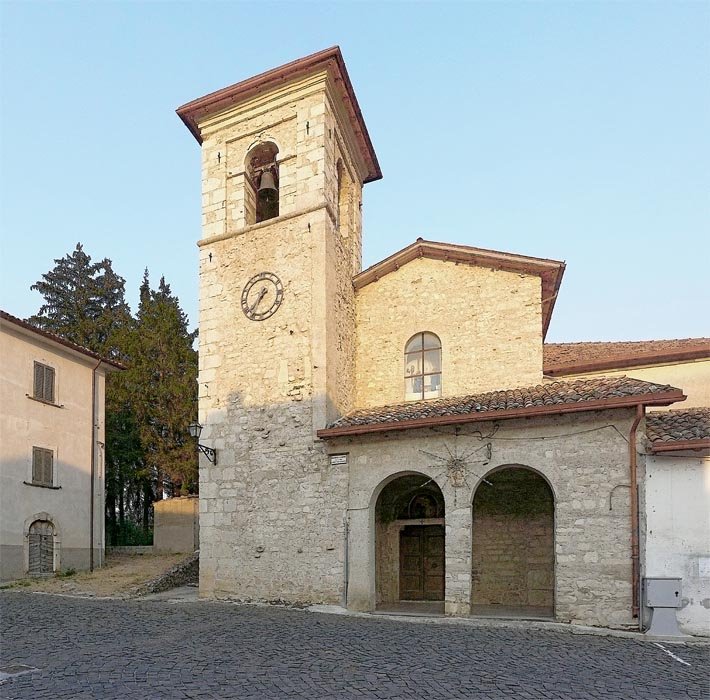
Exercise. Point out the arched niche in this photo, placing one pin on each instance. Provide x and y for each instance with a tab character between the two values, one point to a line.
409	541
513	548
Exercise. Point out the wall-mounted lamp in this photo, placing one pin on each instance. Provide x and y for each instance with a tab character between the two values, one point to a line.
195	431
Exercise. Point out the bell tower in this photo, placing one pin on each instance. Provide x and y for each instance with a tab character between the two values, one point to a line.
284	157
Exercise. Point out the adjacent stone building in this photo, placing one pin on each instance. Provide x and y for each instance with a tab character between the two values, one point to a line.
387	438
51	452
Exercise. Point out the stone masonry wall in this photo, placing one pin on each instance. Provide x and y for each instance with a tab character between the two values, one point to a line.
272	509
489	323
583	456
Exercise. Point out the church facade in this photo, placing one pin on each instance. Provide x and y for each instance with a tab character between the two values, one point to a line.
385	438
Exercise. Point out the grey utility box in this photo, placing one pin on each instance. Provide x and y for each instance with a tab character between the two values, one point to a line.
663	592
663	596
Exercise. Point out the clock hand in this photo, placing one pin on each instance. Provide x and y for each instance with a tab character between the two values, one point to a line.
258	299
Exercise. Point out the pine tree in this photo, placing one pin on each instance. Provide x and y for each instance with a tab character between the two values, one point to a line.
162	379
83	302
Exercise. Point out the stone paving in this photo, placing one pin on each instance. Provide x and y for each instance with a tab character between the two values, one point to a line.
87	649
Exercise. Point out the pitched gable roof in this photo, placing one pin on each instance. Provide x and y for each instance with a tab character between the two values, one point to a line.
550	271
685	429
543	399
330	59
562	359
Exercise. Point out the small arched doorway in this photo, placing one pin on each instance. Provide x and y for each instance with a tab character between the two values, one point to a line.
410	544
513	562
41	548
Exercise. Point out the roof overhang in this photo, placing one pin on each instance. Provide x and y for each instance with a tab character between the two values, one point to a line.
329	59
679	445
56	341
549	271
659	399
641	360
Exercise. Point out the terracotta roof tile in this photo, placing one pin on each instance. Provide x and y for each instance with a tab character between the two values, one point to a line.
682	426
551	397
568	358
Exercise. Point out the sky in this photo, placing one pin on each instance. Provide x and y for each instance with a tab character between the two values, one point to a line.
577	131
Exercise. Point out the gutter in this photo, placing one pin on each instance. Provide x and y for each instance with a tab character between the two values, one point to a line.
635	569
93	465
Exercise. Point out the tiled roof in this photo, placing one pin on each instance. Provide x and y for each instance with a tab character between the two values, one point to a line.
683	429
548	398
569	358
57	339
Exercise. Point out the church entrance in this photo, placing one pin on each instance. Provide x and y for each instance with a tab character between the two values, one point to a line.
421	562
410	546
513	562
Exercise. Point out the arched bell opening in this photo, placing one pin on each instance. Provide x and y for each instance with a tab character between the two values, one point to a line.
262	183
410	545
513	557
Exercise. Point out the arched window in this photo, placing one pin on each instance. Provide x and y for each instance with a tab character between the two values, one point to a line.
422	367
261	195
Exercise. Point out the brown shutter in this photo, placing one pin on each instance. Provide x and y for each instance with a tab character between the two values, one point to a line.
49	384
42	466
38	391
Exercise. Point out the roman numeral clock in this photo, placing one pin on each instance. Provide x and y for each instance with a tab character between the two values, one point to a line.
262	295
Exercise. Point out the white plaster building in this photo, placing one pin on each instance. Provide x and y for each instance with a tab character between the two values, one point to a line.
387	437
51	452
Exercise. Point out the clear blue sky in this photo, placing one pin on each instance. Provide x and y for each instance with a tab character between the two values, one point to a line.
578	131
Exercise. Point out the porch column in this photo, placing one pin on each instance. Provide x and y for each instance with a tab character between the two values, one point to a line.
361	561
458	560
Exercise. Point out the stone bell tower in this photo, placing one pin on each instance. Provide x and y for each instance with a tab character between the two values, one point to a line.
284	158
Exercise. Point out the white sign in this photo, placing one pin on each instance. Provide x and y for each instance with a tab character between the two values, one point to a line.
338	459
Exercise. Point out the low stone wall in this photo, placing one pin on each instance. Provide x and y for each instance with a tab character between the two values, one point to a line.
143	549
183	573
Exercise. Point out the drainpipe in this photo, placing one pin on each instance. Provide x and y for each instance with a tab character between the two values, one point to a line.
634	513
93	465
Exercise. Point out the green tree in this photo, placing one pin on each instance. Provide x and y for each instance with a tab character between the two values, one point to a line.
162	381
151	403
84	301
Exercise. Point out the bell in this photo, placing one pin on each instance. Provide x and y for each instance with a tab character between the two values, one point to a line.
267	181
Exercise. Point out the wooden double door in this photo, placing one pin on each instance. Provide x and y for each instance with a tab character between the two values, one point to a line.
421	562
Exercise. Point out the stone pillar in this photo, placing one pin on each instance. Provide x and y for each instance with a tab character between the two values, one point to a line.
458	557
361	560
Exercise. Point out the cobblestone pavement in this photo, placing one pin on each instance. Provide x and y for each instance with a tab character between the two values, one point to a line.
88	649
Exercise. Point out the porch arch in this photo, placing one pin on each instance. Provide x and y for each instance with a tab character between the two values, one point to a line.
408	524
513	548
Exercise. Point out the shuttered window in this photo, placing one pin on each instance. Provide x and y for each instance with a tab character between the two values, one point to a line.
42	466
44	383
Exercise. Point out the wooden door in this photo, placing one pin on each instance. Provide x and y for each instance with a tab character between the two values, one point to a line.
41	548
421	562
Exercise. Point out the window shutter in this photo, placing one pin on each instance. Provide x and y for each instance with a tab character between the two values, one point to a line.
43	383
48	464
49	384
38	391
36	466
42	466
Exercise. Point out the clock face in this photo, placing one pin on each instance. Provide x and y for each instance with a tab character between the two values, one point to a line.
262	295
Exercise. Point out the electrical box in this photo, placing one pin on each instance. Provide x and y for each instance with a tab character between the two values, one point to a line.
663	592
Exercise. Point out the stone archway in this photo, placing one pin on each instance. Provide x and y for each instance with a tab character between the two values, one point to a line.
513	551
410	544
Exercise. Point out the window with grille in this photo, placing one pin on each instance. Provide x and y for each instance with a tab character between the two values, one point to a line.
44	383
42	466
422	367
